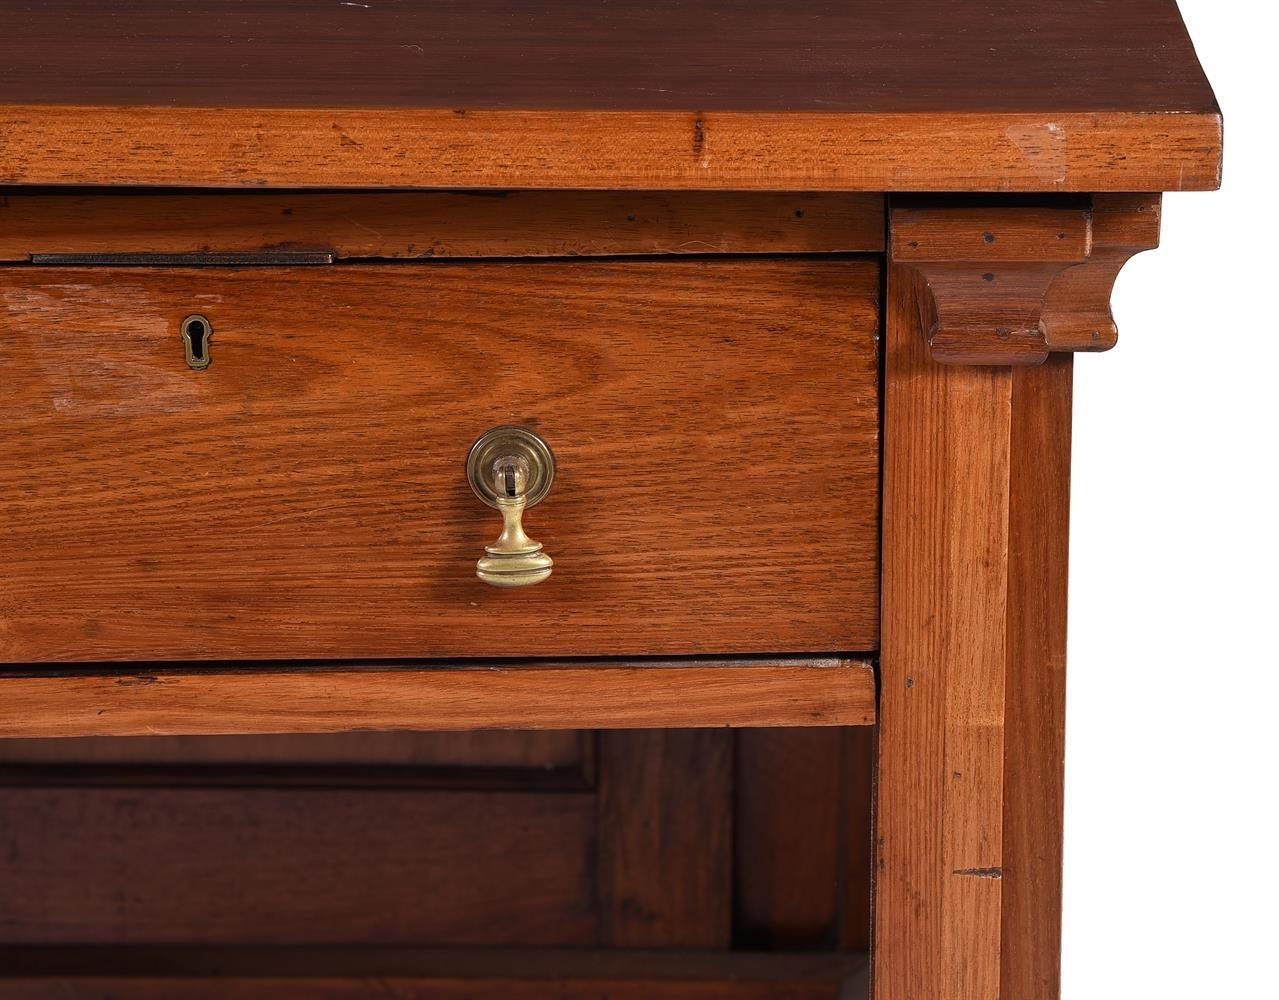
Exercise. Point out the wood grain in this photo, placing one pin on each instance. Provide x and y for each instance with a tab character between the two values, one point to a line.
424	974
280	866
968	826
800	692
603	150
306	493
874	95
682	55
424	224
665	841
1035	690
1009	281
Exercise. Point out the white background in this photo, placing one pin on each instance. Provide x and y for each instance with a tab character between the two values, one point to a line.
1172	772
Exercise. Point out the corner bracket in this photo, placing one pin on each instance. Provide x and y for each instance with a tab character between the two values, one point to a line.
1011	280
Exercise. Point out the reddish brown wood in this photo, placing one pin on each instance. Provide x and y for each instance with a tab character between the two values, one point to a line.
1076	311
969	819
489	974
646	150
680	55
306	494
1035	691
666	823
858	831
541	750
808	692
440	223
788	838
566	987
868	96
1009	282
277	866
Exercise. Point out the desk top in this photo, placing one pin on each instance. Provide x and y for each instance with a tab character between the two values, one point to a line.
833	94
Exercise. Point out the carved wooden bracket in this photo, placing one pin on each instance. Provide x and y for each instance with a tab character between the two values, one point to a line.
1013	280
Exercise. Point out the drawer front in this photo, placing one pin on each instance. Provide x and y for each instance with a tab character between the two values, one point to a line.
714	423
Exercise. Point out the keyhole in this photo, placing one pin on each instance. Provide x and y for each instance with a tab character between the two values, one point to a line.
196	331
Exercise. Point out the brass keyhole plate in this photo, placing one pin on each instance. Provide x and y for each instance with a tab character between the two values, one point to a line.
196	332
510	442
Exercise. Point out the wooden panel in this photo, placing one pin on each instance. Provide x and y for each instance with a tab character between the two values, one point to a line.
802	838
860	769
284	974
665	836
483	748
440	223
787	838
808	692
640	987
974	572
810	55
764	151
307	491
266	867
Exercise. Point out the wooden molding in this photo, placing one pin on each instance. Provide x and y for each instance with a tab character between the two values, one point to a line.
1010	282
798	691
420	225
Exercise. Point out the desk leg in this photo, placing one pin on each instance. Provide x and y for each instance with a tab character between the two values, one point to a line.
976	505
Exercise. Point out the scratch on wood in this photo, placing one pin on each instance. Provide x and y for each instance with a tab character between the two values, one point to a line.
980	872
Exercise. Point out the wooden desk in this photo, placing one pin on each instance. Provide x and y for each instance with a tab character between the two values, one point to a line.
789	292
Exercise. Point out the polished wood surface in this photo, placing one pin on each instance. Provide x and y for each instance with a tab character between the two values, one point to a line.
680	55
306	493
868	95
798	692
1011	281
424	224
969	805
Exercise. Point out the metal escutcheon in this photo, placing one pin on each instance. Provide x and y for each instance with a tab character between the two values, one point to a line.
511	469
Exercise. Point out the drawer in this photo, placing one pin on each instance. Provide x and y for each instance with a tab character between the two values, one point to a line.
714	424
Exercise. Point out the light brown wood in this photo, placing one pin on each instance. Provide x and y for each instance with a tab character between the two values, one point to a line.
424	974
797	692
666	836
421	224
1008	282
968	819
306	494
639	150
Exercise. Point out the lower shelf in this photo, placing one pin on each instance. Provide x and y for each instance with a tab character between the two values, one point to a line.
807	691
279	973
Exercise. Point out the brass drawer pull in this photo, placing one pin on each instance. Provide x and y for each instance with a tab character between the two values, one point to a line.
511	469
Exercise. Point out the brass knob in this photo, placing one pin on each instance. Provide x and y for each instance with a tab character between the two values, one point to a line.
511	469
